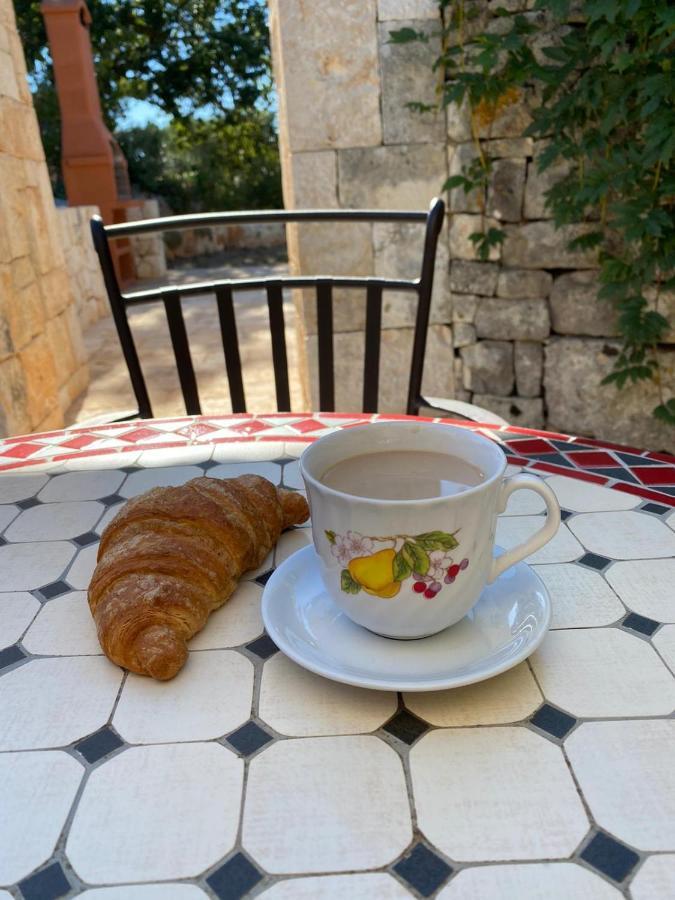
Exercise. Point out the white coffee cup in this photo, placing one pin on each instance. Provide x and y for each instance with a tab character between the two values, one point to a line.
458	530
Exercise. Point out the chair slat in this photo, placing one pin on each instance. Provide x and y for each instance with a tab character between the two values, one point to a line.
181	350
275	304
371	364
228	331
324	320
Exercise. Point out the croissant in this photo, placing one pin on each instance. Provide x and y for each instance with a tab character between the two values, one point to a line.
173	555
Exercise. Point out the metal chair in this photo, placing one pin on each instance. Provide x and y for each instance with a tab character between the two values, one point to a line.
224	290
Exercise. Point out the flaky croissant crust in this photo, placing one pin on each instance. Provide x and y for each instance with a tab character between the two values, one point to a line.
173	555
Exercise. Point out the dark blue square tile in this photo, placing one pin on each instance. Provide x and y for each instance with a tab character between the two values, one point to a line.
666	489
565	514
208	464
264	578
556	458
641	624
84	540
594	561
2	541
234	879
617	472
406	727
10	655
249	738
27	503
48	884
656	508
55	589
553	721
264	647
567	446
632	459
99	744
423	870
609	856
128	469
112	500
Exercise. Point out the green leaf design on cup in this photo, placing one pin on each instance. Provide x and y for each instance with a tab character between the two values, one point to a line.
436	540
348	584
416	557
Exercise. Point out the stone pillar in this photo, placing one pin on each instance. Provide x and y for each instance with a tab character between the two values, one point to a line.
42	357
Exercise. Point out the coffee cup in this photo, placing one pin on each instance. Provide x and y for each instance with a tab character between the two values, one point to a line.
409	568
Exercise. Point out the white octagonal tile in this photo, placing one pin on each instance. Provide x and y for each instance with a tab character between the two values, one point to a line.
64	627
290	542
107	517
236	622
79	574
292	476
269	470
626	773
25	567
17	610
297	702
145	892
664	641
55	521
598	672
37	791
365	886
655	879
7	513
524	503
209	697
584	496
580	598
646	586
624	535
20	487
153	813
513	530
539	881
507	698
53	702
82	485
305	809
165	476
495	794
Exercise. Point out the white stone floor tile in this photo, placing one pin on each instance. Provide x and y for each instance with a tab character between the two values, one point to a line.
107	517
236	622
603	672
209	697
79	574
290	542
366	886
298	703
646	586
55	521
82	485
5	895
495	794
145	892
584	496
656	879
292	476
269	470
624	535
305	810
64	627
513	530
580	598
7	513
524	503
53	702
176	456
25	567
627	776
507	698
162	476
664	641
37	792
20	487
538	881
17	611
151	813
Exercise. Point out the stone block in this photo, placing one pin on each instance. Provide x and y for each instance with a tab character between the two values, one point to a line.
509	117
73	387
41	379
14	418
538	183
313	180
459	158
664	303
58	338
56	291
74	327
527	412
463	334
9	86
406	177
578	403
464	308
519	320
327	65
26	315
537	245
488	367
462	226
407	76
505	191
395	10
576	308
512	148
529	365
526	284
6	299
458	118
396	351
23	273
473	277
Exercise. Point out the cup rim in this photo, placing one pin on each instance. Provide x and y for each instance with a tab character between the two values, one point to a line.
466	432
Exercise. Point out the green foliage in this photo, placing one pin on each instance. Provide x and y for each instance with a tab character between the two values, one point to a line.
605	83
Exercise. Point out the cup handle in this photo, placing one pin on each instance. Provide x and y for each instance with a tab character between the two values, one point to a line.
525	482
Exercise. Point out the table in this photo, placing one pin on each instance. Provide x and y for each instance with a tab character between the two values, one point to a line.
248	776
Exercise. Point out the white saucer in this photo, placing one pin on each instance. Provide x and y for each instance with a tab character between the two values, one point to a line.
503	628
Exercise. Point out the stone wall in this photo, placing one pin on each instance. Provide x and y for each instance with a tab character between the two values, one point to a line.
84	270
214	239
522	334
148	249
42	357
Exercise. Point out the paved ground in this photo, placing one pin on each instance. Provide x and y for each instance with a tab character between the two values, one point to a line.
110	391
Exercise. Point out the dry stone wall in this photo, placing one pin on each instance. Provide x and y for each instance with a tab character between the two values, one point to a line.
82	263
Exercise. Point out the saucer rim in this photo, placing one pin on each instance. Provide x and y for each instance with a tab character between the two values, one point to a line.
390	685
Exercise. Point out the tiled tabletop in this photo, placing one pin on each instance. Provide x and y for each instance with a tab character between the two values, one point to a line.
248	776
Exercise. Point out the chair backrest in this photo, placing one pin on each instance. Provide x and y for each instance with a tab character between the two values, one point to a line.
224	289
